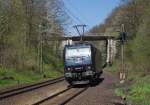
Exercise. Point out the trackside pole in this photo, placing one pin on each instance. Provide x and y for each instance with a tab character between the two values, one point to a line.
122	74
40	51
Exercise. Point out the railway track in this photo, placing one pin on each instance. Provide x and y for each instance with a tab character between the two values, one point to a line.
28	88
62	97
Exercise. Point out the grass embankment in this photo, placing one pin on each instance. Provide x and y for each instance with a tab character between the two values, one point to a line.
11	77
138	93
136	88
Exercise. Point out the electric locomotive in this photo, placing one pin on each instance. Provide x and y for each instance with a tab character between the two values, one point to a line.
82	62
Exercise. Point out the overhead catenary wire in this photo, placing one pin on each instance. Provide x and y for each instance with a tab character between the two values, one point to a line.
84	19
76	19
72	16
80	14
69	13
78	11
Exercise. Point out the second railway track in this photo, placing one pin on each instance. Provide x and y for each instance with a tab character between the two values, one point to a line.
51	92
28	88
62	97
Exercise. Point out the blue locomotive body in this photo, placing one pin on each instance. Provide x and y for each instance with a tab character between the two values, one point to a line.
80	62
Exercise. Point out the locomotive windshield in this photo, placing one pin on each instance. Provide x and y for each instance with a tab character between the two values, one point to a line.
78	55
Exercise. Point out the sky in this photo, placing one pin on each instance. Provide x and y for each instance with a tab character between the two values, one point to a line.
90	12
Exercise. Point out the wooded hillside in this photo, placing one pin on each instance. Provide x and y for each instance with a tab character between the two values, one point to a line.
134	14
23	23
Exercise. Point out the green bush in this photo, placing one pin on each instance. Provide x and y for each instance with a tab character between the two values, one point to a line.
140	92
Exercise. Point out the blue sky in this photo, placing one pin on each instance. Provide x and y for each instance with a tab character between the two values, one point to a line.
90	12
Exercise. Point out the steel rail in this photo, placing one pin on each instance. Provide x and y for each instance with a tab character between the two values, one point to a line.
71	98
28	88
50	98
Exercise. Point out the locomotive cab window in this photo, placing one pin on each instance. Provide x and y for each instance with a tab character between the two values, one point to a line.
78	55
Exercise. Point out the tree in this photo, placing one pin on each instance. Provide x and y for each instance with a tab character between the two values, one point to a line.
20	30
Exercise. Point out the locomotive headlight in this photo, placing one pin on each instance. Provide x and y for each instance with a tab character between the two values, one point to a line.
88	68
68	69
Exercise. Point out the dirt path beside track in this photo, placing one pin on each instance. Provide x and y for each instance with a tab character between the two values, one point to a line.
101	94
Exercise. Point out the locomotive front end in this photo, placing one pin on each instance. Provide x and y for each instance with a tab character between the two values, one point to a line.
78	62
